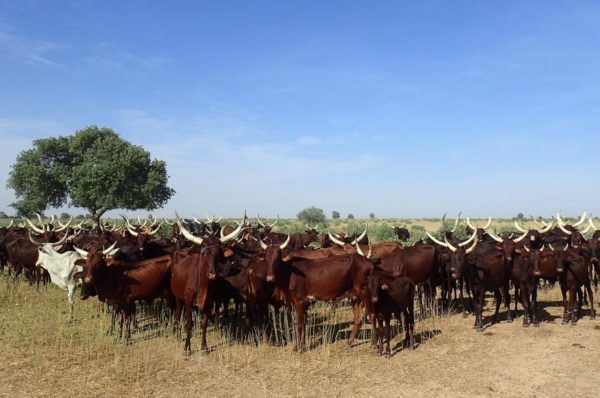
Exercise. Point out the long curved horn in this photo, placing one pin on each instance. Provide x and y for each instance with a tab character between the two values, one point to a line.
560	224
456	222
359	250
187	234
35	242
36	229
443	219
222	232
518	227
334	240
12	222
127	221
370	253
566	247
526	248
542	249
473	246
449	245
219	219
81	252
153	223
392	227
132	232
110	248
156	230
488	223
466	242
63	227
439	242
287	242
361	235
581	220
263	245
551	247
167	221
546	228
258	220
42	223
275	223
198	221
520	238
470	225
235	232
586	229
539	225
496	238
592	224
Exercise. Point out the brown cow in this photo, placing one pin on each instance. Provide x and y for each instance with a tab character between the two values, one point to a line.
331	278
193	275
391	295
121	284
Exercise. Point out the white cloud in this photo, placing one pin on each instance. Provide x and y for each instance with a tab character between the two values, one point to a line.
30	51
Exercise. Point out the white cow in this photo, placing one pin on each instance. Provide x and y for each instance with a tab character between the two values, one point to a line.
61	267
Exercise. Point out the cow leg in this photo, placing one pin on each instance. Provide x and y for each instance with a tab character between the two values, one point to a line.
203	327
189	323
462	298
572	302
388	334
517	300
70	292
498	297
526	306
563	291
357	310
177	317
300	315
409	325
506	294
588	287
379	332
121	319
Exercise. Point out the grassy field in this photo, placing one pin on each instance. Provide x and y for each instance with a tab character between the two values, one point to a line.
43	355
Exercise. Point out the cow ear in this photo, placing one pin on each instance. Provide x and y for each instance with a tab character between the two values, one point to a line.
228	252
78	275
80	262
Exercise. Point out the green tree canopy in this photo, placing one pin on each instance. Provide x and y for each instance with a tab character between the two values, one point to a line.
94	169
311	215
350	216
335	214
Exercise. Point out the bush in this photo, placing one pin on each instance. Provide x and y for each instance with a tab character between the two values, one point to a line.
335	215
350	216
311	215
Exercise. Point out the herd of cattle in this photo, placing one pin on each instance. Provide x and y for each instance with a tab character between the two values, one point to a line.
204	265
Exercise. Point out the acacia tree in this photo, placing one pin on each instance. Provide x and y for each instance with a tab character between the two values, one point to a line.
311	215
94	169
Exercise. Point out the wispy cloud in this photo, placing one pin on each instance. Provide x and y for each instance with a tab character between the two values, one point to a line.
31	51
111	57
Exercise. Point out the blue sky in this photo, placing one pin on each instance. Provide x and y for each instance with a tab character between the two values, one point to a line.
398	109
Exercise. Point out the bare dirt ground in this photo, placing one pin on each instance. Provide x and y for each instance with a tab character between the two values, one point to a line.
43	355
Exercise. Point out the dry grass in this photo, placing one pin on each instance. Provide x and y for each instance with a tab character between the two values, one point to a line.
42	355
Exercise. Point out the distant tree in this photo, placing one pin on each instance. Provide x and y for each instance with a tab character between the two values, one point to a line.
520	216
311	215
350	216
372	216
65	216
94	169
3	215
79	217
335	215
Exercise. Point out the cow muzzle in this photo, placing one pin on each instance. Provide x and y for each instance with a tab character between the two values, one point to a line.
270	278
374	299
537	273
87	279
212	276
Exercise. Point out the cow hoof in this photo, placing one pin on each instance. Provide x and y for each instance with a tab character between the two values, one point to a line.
465	315
509	320
187	353
536	324
564	322
526	324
